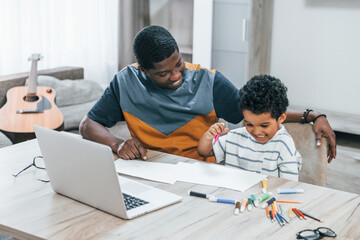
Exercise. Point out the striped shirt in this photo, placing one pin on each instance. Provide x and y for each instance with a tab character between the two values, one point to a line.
278	157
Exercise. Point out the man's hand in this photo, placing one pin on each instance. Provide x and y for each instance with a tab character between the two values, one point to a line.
131	149
322	129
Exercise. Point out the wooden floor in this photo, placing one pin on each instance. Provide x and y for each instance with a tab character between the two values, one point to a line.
344	172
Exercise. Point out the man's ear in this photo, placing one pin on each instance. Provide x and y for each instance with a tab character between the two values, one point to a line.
282	117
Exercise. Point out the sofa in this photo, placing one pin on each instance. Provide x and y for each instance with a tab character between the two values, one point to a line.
75	97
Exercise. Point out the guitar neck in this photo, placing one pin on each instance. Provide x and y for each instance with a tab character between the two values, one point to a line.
32	84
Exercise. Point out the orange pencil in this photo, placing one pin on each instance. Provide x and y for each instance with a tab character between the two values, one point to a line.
287	201
267	212
297	214
300	215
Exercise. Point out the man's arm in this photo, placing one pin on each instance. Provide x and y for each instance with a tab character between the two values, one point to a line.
321	128
128	149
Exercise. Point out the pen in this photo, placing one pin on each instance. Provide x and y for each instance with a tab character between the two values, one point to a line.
264	185
268	202
264	196
289	191
255	202
222	200
249	206
237	208
202	195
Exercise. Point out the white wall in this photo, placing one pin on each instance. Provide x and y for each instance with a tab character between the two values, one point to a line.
316	52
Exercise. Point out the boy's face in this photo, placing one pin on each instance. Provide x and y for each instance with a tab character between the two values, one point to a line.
262	126
167	73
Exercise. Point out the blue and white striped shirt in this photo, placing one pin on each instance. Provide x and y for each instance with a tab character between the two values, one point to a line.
278	157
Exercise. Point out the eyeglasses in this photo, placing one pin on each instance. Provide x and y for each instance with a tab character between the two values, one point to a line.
36	163
315	234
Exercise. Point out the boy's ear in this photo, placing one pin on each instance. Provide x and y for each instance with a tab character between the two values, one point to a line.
282	117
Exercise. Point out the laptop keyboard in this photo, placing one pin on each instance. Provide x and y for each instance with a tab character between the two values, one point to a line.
132	202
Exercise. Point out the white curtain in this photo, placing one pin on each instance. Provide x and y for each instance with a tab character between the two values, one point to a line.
82	33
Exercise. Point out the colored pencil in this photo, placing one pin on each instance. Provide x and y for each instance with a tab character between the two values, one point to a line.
287	201
299	213
310	215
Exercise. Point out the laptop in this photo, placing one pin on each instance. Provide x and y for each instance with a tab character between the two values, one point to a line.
84	171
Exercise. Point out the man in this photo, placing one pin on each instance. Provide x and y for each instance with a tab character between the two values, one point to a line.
169	104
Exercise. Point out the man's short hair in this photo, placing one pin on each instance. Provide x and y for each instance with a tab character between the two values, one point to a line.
264	93
153	44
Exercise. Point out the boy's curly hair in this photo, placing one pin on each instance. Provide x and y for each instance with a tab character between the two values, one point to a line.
264	93
153	44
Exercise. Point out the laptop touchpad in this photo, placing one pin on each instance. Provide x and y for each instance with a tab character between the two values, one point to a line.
133	187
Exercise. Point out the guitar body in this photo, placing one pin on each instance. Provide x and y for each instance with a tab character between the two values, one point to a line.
19	115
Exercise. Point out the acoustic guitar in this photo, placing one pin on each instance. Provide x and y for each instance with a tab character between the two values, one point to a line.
27	106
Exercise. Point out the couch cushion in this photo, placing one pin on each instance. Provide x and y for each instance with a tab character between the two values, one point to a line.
4	141
74	114
72	92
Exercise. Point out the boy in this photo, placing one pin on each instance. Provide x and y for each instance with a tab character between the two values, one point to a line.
263	145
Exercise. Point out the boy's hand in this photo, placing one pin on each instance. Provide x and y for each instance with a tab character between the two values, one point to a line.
216	129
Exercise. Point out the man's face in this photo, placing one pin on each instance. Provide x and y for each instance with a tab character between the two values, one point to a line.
168	73
262	126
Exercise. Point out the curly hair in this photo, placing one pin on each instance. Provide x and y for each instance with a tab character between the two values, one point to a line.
153	44
264	93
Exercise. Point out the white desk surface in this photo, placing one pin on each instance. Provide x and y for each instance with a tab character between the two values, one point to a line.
29	209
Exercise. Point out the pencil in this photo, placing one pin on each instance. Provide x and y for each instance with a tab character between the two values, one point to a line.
273	215
290	212
273	207
297	214
277	207
287	201
267	212
301	213
310	216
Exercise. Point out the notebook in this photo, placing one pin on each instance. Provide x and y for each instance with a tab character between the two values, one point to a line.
84	171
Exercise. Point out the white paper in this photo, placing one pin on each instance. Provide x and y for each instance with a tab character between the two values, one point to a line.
199	173
217	175
160	172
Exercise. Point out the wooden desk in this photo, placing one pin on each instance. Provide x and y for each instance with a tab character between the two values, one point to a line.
29	209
